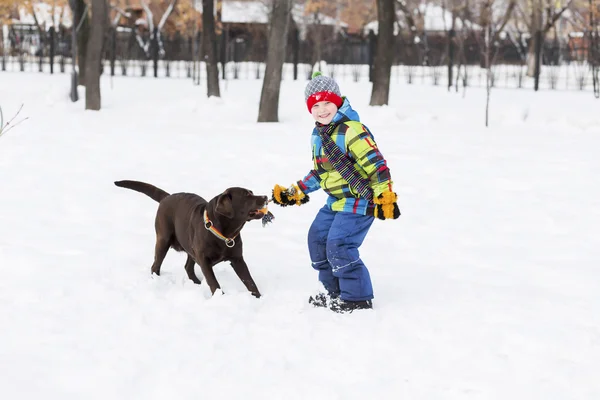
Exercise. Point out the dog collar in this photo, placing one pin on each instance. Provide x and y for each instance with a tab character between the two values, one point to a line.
229	242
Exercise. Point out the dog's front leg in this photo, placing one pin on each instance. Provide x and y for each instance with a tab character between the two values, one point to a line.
241	269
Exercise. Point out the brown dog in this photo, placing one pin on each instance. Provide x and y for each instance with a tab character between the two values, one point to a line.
209	232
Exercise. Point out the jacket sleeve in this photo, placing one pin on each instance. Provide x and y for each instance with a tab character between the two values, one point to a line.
362	147
310	183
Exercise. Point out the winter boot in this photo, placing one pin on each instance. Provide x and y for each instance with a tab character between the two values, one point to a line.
346	306
321	299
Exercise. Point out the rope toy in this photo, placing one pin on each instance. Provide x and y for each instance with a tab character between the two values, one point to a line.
268	217
288	197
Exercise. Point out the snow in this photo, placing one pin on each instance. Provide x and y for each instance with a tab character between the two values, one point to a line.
435	19
45	16
486	287
257	12
245	12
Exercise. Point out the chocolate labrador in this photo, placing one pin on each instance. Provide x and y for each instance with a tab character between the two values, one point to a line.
209	232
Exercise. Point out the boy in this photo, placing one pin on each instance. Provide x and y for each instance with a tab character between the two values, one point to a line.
352	171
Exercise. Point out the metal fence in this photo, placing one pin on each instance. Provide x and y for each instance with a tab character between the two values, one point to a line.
565	64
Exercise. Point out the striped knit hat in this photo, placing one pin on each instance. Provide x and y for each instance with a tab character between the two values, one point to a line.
322	88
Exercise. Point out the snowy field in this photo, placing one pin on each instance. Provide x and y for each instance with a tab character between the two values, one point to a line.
487	287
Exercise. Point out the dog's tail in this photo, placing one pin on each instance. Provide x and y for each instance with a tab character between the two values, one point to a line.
149	190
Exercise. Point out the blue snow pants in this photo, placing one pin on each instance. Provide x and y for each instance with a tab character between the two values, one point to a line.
333	242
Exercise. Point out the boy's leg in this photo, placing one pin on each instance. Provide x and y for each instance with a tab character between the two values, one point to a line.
317	245
345	237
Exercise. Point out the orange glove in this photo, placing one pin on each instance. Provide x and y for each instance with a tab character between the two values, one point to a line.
386	206
289	197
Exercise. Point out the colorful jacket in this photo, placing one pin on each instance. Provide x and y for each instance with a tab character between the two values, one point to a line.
357	142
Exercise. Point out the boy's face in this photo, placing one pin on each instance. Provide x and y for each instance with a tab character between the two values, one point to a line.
324	111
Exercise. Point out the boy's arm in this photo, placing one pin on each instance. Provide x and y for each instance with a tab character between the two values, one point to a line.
310	182
363	149
297	194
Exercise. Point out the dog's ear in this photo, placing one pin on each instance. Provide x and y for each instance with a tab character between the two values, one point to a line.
225	205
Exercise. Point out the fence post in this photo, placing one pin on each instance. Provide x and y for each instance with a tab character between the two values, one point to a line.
154	50
3	56
60	39
451	35
372	47
74	78
52	48
295	51
192	65
113	50
538	56
167	45
223	40
235	57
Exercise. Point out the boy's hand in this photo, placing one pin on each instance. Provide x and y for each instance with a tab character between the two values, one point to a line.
288	197
386	206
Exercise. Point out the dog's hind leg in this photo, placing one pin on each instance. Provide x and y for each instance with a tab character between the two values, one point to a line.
160	251
189	268
241	269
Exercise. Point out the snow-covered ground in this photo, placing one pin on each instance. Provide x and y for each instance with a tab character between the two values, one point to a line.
487	286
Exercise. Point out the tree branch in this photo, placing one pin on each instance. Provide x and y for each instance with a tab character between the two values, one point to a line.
37	23
524	19
167	13
412	26
551	21
506	18
149	15
120	12
5	128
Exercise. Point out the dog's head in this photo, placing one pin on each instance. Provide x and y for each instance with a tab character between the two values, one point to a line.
240	203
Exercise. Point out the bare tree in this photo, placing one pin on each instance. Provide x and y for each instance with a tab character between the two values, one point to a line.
409	9
467	31
384	54
414	12
493	25
278	30
594	46
41	30
81	27
93	62
155	30
209	44
459	30
538	16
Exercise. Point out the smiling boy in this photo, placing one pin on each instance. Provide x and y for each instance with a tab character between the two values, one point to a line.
349	167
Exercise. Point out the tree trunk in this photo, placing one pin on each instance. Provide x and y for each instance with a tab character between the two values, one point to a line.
384	53
209	44
278	31
79	47
451	46
531	55
94	54
539	40
83	36
41	31
536	25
